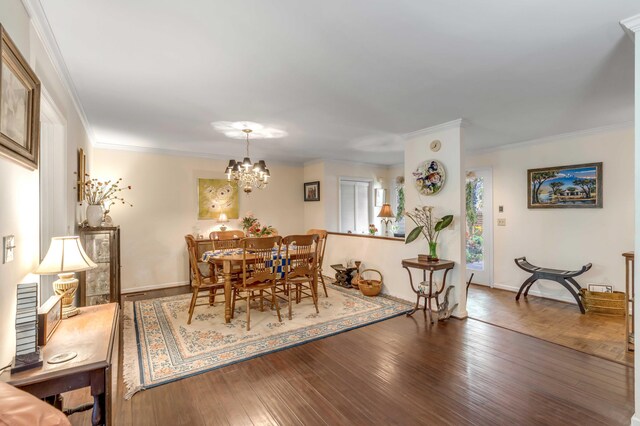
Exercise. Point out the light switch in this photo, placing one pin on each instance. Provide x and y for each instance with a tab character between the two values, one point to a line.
8	244
500	209
502	222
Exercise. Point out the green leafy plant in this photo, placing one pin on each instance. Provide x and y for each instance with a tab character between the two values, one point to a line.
426	224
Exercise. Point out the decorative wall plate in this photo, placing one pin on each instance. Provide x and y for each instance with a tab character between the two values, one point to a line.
429	177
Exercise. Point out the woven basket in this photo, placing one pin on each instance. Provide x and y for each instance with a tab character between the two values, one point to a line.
603	303
370	287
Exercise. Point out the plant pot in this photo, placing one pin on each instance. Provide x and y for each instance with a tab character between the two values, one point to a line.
433	252
94	215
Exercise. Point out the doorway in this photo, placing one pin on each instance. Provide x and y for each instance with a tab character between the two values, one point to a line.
479	225
53	183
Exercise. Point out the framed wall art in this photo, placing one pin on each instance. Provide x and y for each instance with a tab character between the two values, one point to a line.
82	174
576	186
312	191
216	196
19	106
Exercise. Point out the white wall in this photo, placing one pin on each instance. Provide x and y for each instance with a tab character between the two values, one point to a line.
164	198
563	238
325	214
314	211
19	187
386	255
635	28
450	200
375	253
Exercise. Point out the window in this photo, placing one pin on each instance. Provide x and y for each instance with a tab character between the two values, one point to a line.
355	206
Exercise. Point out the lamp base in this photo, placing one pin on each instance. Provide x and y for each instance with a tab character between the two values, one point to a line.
66	286
69	311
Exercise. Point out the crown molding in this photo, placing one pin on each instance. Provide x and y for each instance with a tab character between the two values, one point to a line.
181	153
631	26
459	123
554	138
43	29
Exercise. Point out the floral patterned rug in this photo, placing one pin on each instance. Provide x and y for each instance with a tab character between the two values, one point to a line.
159	346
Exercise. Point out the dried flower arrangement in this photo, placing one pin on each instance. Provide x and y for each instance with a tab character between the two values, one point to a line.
97	191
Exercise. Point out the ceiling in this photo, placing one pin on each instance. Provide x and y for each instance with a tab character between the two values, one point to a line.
344	78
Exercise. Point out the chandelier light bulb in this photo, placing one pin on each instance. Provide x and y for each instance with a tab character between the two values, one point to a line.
248	175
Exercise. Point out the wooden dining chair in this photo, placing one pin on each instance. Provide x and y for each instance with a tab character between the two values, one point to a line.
301	268
200	282
259	273
322	245
226	240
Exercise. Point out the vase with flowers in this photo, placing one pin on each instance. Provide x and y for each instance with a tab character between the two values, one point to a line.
429	226
97	193
252	226
372	229
248	221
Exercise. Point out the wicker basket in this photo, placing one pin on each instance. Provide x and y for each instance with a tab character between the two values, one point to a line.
370	287
603	303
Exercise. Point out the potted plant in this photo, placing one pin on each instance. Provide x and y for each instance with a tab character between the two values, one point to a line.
428	226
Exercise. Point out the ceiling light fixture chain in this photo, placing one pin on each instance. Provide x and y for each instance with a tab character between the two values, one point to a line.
247	175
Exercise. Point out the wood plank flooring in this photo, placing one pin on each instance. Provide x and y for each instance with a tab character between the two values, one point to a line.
399	371
551	320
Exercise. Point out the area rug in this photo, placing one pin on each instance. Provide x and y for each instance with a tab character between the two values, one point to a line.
159	346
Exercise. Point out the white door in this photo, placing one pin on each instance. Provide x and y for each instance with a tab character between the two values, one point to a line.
355	206
53	184
479	226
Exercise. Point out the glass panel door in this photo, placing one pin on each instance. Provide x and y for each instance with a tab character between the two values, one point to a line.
98	281
479	226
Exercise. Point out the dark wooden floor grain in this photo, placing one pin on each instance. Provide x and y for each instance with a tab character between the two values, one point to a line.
551	320
400	371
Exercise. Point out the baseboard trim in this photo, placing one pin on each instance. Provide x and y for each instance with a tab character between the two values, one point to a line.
534	292
154	287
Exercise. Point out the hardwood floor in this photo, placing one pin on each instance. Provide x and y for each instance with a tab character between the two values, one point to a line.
399	371
551	320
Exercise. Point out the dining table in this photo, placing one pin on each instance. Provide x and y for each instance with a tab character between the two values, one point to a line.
231	262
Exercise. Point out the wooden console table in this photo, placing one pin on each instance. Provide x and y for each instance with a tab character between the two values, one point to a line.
92	335
431	292
629	298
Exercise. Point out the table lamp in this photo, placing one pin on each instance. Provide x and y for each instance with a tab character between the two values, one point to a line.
65	257
223	219
387	216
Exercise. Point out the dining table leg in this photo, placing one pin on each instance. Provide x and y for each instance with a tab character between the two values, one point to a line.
226	272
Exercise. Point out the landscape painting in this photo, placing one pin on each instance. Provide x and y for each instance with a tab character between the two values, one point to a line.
577	186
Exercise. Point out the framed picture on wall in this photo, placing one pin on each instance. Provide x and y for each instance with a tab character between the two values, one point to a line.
217	196
576	186
312	191
82	174
380	196
19	106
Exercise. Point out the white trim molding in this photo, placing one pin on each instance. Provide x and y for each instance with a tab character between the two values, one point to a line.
554	138
460	122
43	29
631	26
152	287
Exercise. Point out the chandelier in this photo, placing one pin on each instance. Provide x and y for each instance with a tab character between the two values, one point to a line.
248	175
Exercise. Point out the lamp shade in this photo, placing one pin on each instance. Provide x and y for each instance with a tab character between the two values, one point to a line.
65	255
385	211
223	218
